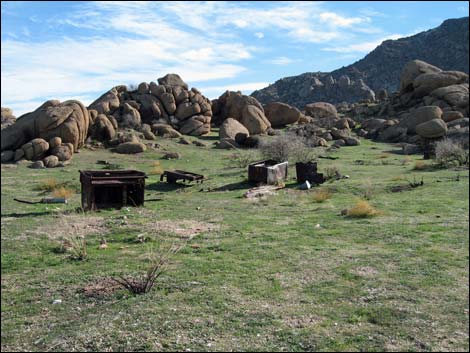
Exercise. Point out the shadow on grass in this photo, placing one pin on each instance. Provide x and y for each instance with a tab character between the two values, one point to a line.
209	138
242	185
163	187
28	214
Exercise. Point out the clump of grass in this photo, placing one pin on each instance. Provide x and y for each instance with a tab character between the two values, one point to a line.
322	195
397	178
62	192
362	209
156	168
158	264
367	189
420	165
75	246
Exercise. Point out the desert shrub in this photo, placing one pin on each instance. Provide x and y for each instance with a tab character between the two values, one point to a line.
287	147
420	165
157	265
322	195
331	172
62	192
450	153
362	209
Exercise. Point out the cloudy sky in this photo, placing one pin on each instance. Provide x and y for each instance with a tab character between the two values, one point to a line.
63	50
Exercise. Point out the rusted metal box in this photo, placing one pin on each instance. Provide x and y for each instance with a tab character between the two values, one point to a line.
172	176
268	172
308	171
112	188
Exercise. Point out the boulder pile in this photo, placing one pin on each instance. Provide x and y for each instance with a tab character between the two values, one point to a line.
55	128
431	104
246	116
322	125
116	119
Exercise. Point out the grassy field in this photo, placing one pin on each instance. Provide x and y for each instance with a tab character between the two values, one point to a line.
253	275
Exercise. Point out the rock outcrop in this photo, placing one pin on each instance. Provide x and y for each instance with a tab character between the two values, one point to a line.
430	105
169	102
245	109
69	120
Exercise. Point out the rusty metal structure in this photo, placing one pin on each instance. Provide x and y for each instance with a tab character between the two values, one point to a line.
112	188
308	171
172	176
267	172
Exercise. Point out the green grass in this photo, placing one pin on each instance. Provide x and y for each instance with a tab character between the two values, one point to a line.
262	278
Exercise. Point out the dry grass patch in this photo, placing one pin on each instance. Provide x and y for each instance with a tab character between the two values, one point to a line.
79	225
322	195
384	155
184	229
156	169
62	192
48	185
362	209
420	165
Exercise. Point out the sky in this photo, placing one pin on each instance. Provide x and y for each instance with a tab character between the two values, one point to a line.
79	50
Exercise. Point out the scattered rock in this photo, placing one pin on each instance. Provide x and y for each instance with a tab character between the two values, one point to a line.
171	155
131	147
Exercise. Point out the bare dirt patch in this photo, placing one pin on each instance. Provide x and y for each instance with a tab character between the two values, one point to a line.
100	288
365	271
74	224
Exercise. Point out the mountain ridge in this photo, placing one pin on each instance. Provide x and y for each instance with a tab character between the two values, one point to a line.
445	46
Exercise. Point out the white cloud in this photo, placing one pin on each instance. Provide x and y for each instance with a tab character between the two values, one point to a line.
363	47
335	19
282	60
246	88
136	41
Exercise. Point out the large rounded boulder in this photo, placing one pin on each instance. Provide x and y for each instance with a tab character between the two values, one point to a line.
281	114
232	128
69	120
411	71
245	109
432	129
321	110
421	115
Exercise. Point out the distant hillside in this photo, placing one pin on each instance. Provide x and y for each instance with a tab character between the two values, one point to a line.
446	46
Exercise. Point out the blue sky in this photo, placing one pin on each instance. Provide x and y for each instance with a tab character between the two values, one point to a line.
64	50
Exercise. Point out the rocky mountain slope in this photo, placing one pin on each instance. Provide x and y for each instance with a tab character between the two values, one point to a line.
446	46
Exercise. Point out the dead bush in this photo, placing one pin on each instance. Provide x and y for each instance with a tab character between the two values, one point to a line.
242	159
331	172
48	185
158	264
450	153
287	147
